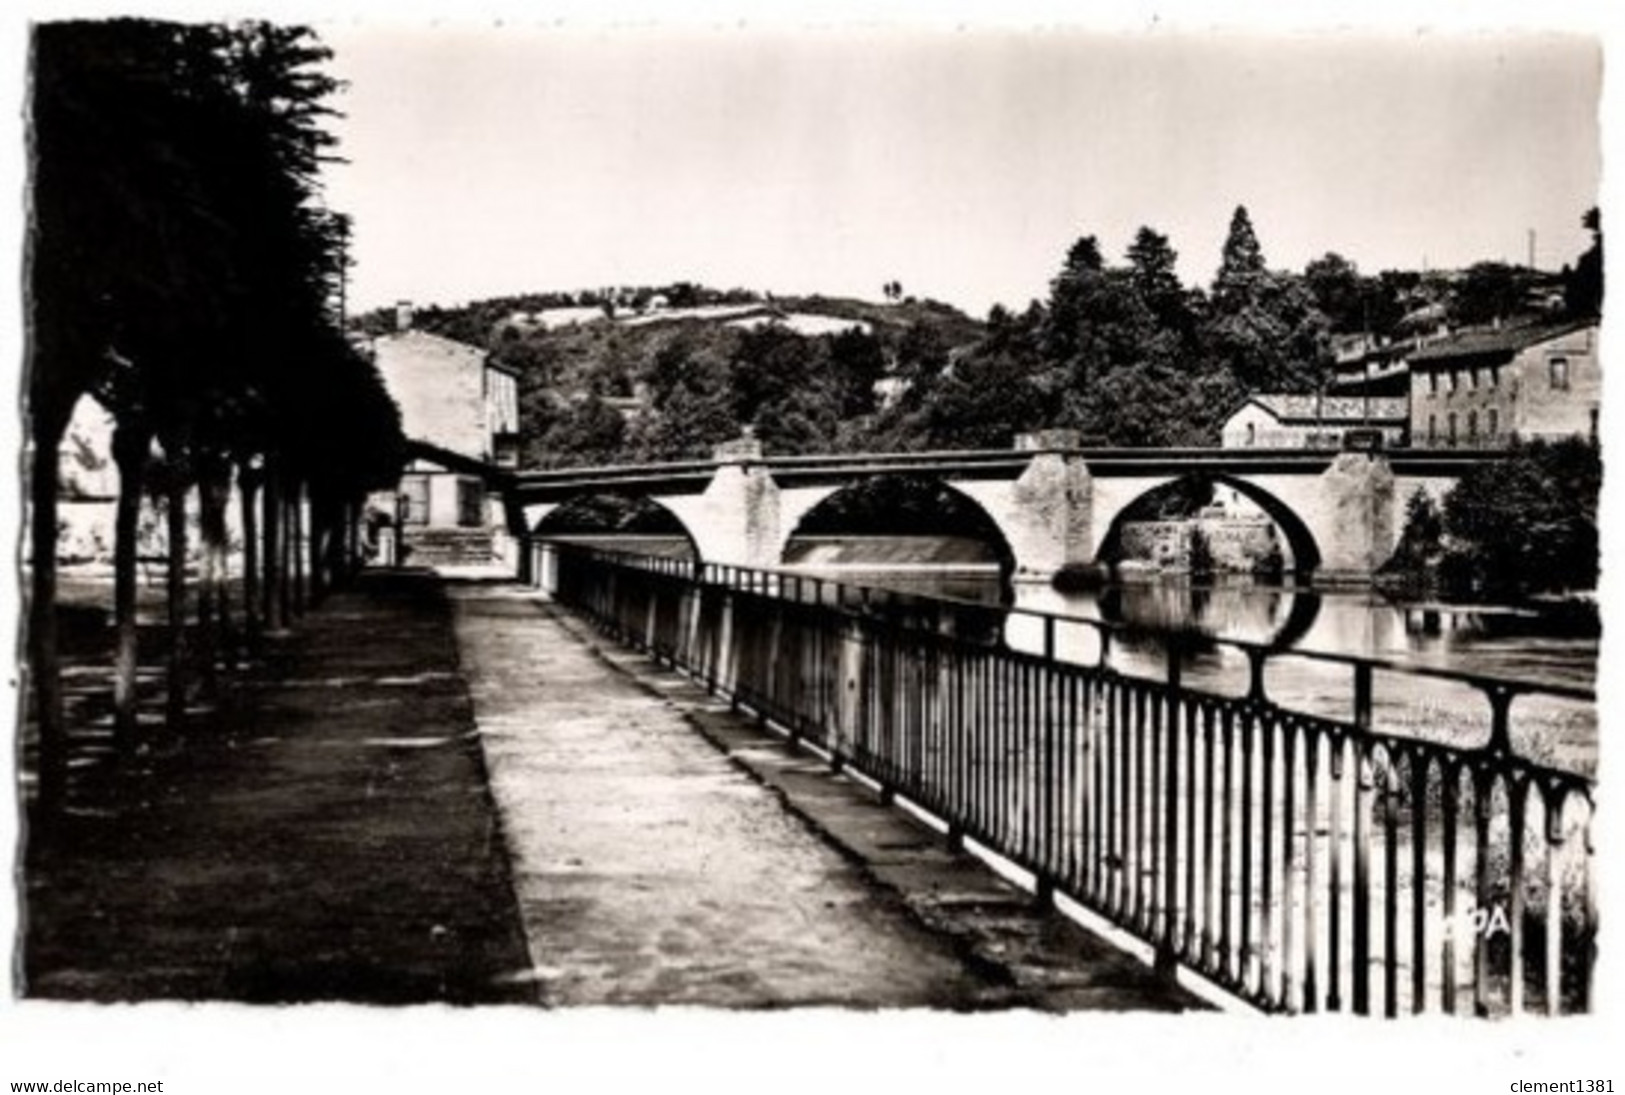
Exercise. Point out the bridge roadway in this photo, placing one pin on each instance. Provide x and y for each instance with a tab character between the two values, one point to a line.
676	477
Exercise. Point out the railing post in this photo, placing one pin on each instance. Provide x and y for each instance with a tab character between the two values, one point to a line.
1255	675
1167	949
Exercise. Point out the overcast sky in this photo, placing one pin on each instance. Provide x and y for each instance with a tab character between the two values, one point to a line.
497	159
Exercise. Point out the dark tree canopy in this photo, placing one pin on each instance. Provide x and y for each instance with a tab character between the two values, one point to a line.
1582	291
1529	523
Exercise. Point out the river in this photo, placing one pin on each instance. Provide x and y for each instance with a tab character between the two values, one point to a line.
1493	641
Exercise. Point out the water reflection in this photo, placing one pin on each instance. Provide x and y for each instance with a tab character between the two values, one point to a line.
1486	640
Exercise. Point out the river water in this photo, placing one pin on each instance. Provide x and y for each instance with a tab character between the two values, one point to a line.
1489	641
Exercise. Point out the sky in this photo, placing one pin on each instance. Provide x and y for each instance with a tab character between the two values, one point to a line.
487	159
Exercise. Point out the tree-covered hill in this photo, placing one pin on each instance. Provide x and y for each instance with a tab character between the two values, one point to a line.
1122	352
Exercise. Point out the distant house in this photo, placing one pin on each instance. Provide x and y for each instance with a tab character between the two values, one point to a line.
460	415
1314	421
1483	389
1368	365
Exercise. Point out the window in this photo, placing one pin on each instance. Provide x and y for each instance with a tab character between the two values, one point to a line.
1495	376
1493	426
1450	424
1433	382
470	503
1560	372
1252	434
1472	426
1433	428
1455	380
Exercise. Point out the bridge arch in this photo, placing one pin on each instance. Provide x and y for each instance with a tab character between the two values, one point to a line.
1305	551
631	522
894	505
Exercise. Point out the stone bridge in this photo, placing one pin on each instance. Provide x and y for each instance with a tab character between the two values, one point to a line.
1340	512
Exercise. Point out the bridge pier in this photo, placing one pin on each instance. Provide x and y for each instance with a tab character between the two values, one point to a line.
735	520
1353	518
1050	524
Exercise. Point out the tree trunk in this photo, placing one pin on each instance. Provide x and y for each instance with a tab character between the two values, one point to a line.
288	578
132	449
299	546
285	536
214	622
273	594
43	654
248	482
355	562
176	487
316	544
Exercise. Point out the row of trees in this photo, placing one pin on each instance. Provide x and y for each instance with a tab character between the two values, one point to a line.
184	272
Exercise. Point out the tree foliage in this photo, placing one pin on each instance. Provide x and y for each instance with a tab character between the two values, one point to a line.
183	269
1529	523
1121	351
1582	290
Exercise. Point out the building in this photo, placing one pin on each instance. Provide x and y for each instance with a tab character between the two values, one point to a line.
1316	421
1485	389
460	415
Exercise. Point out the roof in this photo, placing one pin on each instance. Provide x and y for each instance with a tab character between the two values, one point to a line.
1334	408
1505	342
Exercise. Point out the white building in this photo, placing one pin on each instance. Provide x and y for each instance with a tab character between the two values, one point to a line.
460	415
1315	421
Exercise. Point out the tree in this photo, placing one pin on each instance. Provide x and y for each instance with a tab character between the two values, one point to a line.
1490	292
1156	280
1241	267
1421	539
1527	523
1338	291
856	364
985	398
1582	289
1201	553
1264	327
590	432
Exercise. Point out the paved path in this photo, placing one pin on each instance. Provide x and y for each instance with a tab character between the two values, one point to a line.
656	862
328	836
649	869
588	831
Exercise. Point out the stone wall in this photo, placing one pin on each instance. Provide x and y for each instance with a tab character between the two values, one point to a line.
1237	544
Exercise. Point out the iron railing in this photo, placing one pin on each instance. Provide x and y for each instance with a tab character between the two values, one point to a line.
1303	862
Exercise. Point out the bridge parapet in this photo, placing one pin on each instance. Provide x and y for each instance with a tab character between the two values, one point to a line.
1054	502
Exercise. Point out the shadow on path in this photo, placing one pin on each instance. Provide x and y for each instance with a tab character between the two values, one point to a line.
327	835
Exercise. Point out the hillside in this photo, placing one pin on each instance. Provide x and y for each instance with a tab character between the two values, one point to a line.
664	373
1121	352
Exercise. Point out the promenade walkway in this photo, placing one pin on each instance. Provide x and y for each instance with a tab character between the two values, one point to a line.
421	798
667	851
